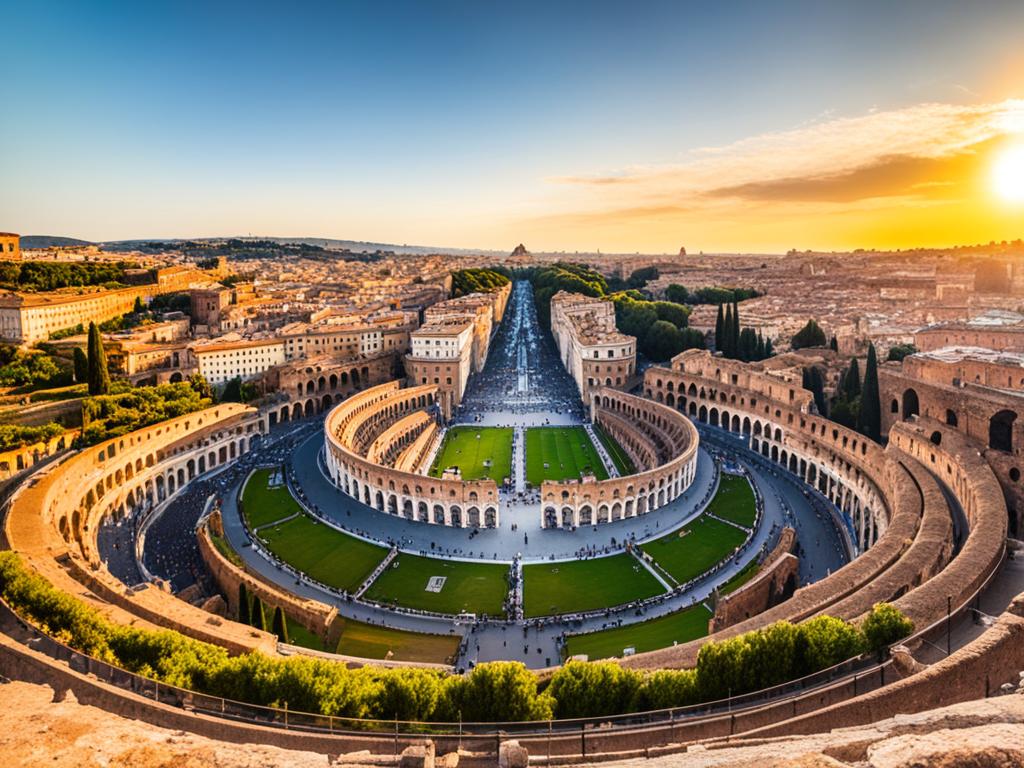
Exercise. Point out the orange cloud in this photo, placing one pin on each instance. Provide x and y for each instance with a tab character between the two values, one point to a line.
866	168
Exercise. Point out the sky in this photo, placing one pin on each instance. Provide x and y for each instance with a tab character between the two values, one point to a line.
621	127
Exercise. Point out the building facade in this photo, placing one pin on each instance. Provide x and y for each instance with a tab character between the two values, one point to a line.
592	349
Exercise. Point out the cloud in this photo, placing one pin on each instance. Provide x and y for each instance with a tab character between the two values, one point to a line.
924	152
890	176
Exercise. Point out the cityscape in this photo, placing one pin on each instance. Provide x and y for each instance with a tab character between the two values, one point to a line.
698	444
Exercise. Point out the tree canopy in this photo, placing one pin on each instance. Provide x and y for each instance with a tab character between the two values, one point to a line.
466	281
811	335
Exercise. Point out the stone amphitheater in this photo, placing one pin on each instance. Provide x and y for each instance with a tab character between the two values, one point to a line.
924	516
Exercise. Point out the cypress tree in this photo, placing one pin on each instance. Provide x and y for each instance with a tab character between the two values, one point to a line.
851	384
719	326
99	375
280	625
833	344
244	614
81	366
870	403
727	348
259	615
736	327
768	348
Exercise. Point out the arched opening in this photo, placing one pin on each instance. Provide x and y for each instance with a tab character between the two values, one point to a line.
1000	431
951	418
911	406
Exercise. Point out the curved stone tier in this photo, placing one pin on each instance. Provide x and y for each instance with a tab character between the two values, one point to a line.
659	440
380	423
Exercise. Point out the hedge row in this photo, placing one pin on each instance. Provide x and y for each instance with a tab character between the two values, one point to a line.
495	691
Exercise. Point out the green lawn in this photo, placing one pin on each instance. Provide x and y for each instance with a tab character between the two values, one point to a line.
693	549
567	451
468	448
327	555
262	505
734	500
469	587
748	572
370	641
622	461
680	627
585	585
226	550
299	635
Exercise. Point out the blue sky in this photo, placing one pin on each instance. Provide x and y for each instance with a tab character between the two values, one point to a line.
441	123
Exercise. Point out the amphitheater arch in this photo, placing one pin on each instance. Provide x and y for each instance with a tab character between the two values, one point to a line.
456	515
1000	431
586	515
473	517
550	517
951	418
911	404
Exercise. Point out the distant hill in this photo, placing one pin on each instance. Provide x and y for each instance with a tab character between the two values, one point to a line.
49	241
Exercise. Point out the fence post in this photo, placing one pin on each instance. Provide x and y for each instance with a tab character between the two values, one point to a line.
583	739
549	734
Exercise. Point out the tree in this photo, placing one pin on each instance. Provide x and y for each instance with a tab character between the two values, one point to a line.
815	383
810	335
280	625
662	341
870	419
259	614
898	352
851	381
232	391
138	308
677	294
200	386
591	689
833	344
692	339
728	349
244	613
676	314
81	365
719	329
884	626
735	328
99	374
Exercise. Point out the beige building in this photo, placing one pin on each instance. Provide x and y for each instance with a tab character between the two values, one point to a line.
453	342
233	356
26	318
592	349
442	355
10	246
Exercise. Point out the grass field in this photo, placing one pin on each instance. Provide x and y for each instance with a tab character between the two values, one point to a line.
585	585
370	641
734	500
622	461
679	627
694	548
327	555
567	452
470	448
468	588
262	505
748	572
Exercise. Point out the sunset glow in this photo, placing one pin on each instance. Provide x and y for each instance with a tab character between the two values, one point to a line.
1008	174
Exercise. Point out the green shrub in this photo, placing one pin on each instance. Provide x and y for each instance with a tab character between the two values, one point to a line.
583	689
884	626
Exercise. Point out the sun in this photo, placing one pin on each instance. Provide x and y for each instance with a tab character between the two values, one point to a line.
1008	174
